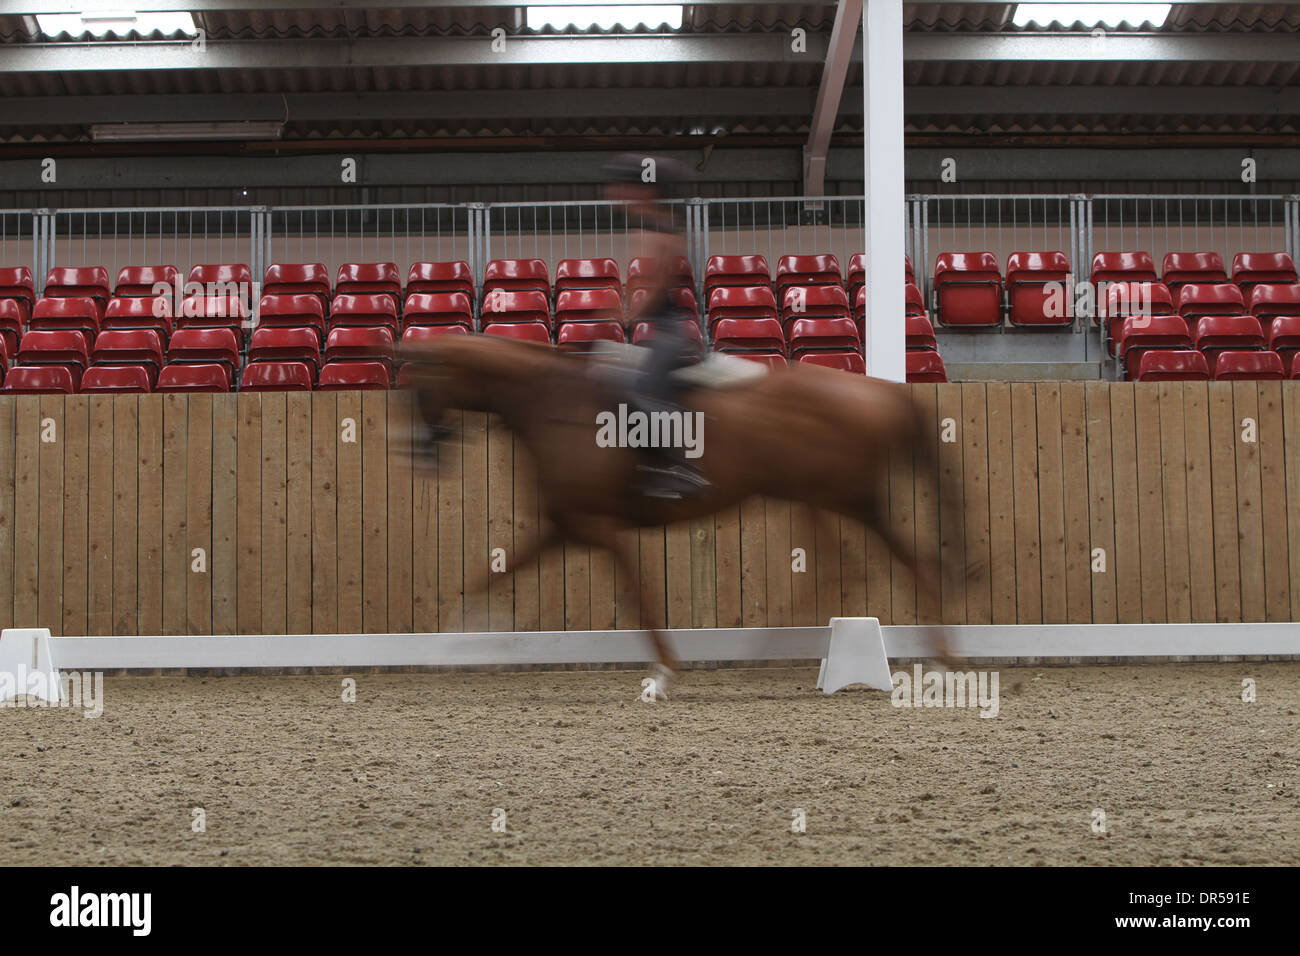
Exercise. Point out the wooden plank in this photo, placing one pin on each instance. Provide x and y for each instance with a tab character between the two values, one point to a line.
176	552
627	581
1223	485
1051	501
879	561
1151	509
224	559
248	602
1200	504
324	515
424	547
501	526
1173	471
902	520
275	566
374	512
1101	502
1028	554
401	515
76	459
929	602
952	521
526	520
351	536
198	516
1250	530
704	574
451	531
975	494
1273	503
298	508
829	577
803	583
1002	525
776	533
577	586
49	555
126	499
149	512
1074	469
1291	422
677	576
1128	553
99	570
8	435
853	569
27	509
475	517
653	581
728	558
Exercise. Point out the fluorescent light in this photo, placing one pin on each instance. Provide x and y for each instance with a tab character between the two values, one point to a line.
117	22
606	18
1092	14
141	132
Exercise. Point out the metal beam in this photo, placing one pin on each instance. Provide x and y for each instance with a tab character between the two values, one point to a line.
1103	100
1106	47
839	57
29	7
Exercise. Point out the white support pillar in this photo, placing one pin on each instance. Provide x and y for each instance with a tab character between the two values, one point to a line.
886	228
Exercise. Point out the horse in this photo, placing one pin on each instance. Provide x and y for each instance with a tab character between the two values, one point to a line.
804	433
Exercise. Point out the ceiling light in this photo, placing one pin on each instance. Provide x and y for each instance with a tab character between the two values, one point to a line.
605	18
162	132
117	22
1092	14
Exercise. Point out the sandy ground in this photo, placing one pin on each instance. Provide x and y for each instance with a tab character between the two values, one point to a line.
288	773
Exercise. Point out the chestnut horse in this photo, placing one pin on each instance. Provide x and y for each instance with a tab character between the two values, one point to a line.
803	433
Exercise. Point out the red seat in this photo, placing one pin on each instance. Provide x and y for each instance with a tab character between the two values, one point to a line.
1269	301
55	347
814	302
213	312
270	344
819	335
681	298
641	274
140	313
1232	366
722	271
1250	269
913	304
79	314
40	380
454	276
438	308
587	274
300	278
276	377
1192	268
337	376
1123	267
221	281
372	344
364	310
818	270
925	366
110	379
1215	333
643	332
369	278
140	347
1284	336
204	346
88	282
1173	365
737	335
844	361
1197	300
503	305
969	289
147	282
580	335
920	333
302	310
16	283
523	331
1141	333
1124	300
11	324
1295	367
857	278
589	305
773	360
422	334
209	377
1037	286
517	275
741	302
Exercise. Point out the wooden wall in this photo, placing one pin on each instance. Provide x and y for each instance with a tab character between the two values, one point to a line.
103	501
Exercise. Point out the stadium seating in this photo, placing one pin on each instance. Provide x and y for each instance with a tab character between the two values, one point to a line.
1197	301
1192	268
304	278
502	305
225	279
74	313
205	377
517	275
138	347
741	302
1125	299
140	313
369	343
924	365
748	335
293	311
454	276
271	344
1037	287
822	335
1173	365
88	282
11	324
577	274
1250	269
116	379
844	361
1217	333
1140	334
681	299
1123	267
1267	302
814	302
968	289
365	310
438	308
573	336
426	334
369	278
40	379
523	331
642	332
589	305
212	312
722	271
1283	335
276	377
1231	366
641	273
858	274
920	333
205	346
143	282
16	283
346	375
821	270
55	347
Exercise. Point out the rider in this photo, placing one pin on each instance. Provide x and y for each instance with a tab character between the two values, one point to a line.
641	182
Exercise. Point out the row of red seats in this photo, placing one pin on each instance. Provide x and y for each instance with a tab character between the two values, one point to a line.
1189	365
1210	335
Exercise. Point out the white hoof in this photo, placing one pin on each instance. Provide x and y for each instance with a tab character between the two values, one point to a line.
663	678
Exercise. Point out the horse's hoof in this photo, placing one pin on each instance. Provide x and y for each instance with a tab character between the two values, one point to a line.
663	678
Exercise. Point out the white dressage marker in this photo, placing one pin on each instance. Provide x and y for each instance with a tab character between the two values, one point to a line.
26	665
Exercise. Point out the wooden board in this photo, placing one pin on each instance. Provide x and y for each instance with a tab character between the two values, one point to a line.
926	484
728	564
1223	484
1074	459
474	474
952	521
1128	545
99	563
1002	524
1101	503
1150	500
8	436
198	516
27	510
324	515
451	534
1051	502
803	583
248	573
351	536
400	517
1273	503
49	557
149	524
1173	473
298	514
374	512
76	470
224	558
1200	506
1024	473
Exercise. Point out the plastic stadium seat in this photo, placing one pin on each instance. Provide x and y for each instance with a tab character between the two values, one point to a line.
1196	301
589	305
1123	300
759	335
222	280
925	366
90	282
364	310
438	308
587	274
523	331
517	275
1269	301
40	380
1173	365
424	334
1250	269
276	377
109	379
271	344
969	289
1215	333
1038	284
722	271
140	313
807	271
208	377
682	299
1141	333
4	359
143	282
141	347
205	346
1123	267
641	273
773	360
369	278
814	302
212	312
453	276
1232	366
643	332
79	313
292	312
502	305
920	333
51	347
16	283
1295	367
337	376
844	361
808	335
742	302
11	324
1192	268
857	277
580	335
1283	335
301	278
371	344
